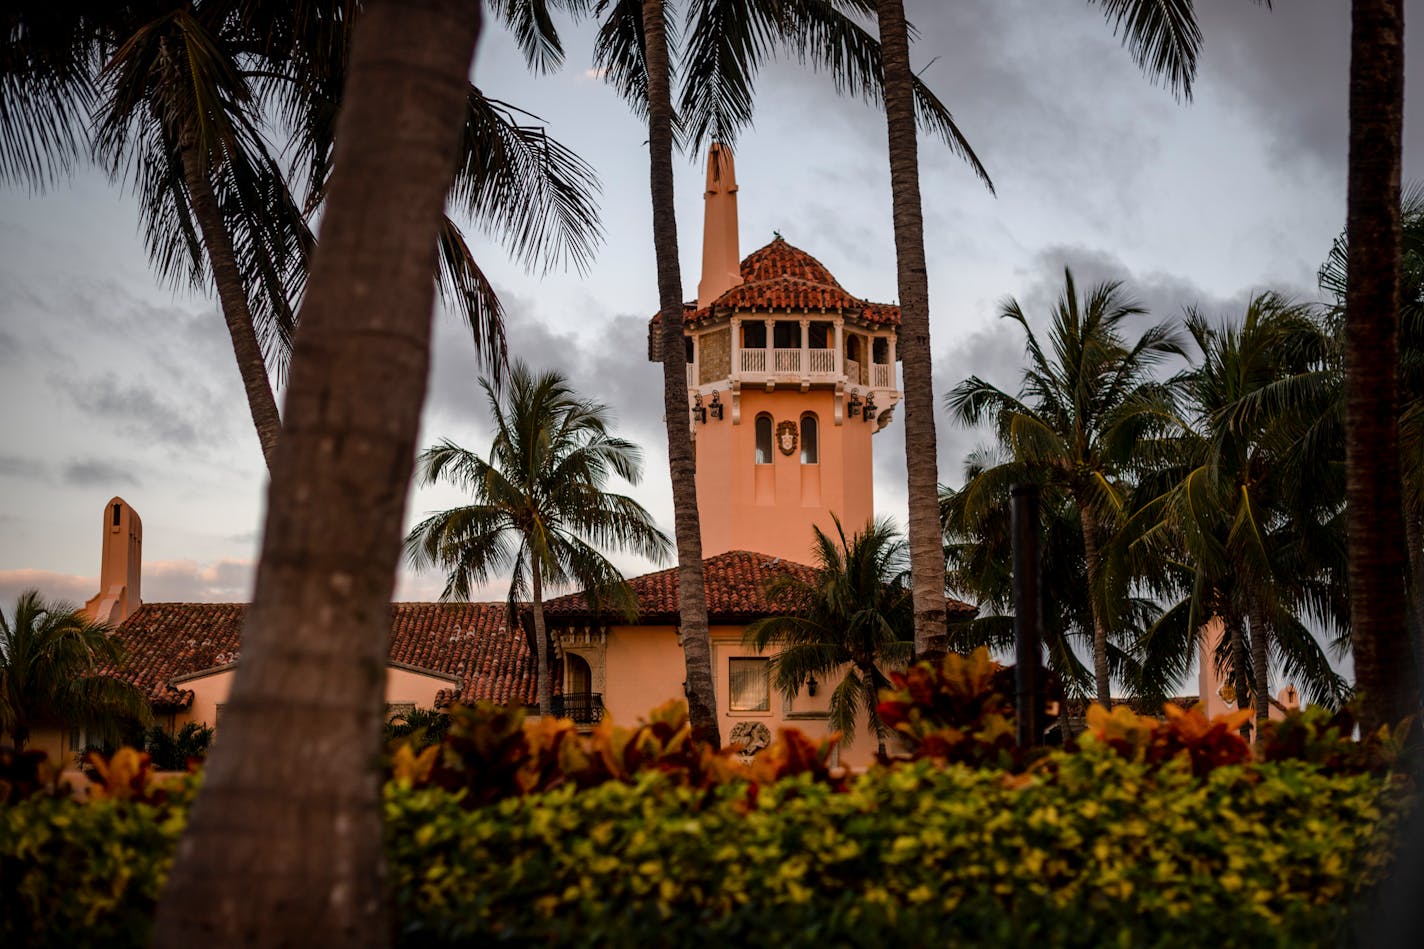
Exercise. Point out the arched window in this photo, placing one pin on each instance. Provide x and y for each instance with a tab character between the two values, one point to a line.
810	443
763	439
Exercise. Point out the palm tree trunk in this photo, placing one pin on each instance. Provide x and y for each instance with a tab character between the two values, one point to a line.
872	714
232	297
925	537
1239	680
692	595
284	845
1414	534
1261	687
1093	563
541	645
1385	671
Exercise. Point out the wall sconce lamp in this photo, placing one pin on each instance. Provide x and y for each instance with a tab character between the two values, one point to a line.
699	411
811	686
853	407
869	413
716	408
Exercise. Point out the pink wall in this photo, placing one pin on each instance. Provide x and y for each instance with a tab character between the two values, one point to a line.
771	508
645	669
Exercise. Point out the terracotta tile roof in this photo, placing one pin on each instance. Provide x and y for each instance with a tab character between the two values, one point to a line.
782	277
735	582
468	640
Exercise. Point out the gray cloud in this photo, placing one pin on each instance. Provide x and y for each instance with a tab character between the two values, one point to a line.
137	408
94	472
18	466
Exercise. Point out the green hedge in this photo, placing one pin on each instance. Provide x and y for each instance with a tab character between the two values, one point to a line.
1098	851
1090	850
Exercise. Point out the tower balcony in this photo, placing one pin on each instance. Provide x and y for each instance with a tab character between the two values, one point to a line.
792	350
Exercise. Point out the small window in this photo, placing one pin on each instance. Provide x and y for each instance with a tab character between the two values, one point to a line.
763	439
750	685
687	341
117	511
754	335
786	334
810	444
820	335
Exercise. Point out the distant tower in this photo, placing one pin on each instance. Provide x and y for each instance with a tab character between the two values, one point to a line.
121	568
789	377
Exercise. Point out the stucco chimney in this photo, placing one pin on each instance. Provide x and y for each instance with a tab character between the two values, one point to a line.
121	567
721	260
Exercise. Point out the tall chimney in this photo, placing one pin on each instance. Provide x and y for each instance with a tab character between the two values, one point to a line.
721	261
121	566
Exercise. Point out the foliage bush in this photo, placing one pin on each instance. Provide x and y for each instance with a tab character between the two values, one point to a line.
1151	833
1096	850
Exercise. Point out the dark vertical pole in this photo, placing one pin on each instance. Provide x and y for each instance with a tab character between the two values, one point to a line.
1028	639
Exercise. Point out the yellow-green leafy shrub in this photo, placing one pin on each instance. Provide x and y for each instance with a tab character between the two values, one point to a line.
1091	849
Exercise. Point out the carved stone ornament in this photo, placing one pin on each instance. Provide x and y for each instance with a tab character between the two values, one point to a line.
752	736
787	437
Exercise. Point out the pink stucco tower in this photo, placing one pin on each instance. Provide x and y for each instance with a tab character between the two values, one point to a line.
790	376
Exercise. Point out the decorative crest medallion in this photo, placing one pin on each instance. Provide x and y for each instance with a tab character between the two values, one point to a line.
786	437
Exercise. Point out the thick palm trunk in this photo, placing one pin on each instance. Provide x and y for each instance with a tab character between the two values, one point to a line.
1239	680
925	537
1414	533
284	842
692	595
1385	670
232	298
1260	673
541	646
872	703
1092	560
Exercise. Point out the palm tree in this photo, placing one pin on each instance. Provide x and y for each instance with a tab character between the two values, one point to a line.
278	852
979	559
1078	419
184	97
1164	39
854	615
540	505
1254	505
1334	280
51	657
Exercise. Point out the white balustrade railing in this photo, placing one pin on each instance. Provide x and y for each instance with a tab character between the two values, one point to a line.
882	377
786	360
823	360
753	360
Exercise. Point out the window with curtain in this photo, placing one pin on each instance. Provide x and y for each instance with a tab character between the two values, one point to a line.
750	683
810	442
763	439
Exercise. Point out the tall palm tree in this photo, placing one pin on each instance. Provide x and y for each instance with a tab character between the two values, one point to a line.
1164	39
979	558
1254	503
1386	667
50	657
1334	279
541	505
855	615
277	852
1078	419
727	42
185	96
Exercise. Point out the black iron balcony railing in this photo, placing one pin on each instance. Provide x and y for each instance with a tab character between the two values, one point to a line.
585	708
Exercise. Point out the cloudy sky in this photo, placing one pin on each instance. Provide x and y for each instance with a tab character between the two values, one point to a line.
113	384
